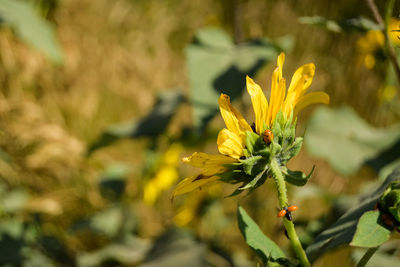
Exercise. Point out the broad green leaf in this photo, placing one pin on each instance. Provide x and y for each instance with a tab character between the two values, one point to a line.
176	247
265	248
31	27
370	231
343	230
216	65
130	252
346	141
214	37
152	125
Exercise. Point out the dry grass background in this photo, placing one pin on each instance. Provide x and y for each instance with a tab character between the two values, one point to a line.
118	56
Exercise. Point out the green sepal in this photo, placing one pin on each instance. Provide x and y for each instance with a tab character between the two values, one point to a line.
390	200
297	178
395	211
250	163
260	177
291	151
251	139
275	148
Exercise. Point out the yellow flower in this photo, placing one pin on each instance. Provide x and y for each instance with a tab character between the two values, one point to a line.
232	139
368	46
165	177
393	30
386	94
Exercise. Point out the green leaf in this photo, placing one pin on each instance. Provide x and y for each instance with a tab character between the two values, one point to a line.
214	37
31	28
346	141
151	126
370	231
359	24
216	65
265	248
297	178
343	230
322	22
112	182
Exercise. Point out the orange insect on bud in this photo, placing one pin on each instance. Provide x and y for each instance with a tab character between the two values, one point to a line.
292	208
281	213
268	136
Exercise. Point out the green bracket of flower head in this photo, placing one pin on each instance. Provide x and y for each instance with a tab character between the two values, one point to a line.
297	178
252	143
291	151
390	200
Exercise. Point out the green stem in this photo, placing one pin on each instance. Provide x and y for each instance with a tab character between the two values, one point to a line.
364	260
283	202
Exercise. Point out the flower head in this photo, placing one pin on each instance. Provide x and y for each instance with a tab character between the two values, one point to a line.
245	153
369	47
393	30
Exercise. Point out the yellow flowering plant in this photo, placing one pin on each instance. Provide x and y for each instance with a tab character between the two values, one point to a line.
252	153
247	151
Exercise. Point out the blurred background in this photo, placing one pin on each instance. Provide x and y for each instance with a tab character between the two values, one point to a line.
100	100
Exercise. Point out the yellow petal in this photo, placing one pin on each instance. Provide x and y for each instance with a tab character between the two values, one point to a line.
302	79
233	119
193	182
211	164
203	160
279	97
281	60
288	105
260	103
393	31
230	144
311	98
274	92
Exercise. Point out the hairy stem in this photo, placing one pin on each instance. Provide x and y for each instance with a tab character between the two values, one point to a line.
364	260
283	202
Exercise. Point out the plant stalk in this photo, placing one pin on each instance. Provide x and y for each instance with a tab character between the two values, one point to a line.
283	202
364	260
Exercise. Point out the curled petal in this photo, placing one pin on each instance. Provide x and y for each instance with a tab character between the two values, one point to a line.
193	182
311	98
302	79
230	144
233	119
260	103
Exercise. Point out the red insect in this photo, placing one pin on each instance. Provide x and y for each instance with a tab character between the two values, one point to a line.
287	212
268	136
292	208
282	213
